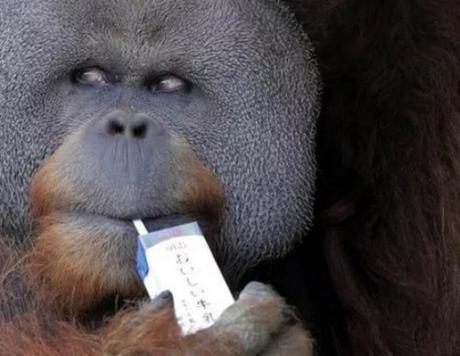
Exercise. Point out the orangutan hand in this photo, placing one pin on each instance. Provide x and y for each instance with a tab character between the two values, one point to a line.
259	323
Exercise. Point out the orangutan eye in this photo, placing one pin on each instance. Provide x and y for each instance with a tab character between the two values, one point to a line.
169	84
92	76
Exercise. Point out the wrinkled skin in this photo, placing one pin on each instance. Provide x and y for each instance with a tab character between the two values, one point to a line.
232	146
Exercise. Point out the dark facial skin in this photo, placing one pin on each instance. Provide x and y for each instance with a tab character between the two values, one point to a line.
134	92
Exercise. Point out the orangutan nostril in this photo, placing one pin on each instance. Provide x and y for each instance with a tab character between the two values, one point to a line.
115	128
139	131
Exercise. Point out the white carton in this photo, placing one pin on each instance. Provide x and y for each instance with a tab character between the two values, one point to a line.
178	259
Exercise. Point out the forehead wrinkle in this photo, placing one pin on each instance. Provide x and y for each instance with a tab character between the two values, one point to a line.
130	46
180	35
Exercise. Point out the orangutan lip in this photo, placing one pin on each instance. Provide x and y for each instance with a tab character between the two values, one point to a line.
125	225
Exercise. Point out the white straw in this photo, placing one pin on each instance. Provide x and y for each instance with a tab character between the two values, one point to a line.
140	227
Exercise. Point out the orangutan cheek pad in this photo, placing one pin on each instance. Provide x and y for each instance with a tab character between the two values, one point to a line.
178	259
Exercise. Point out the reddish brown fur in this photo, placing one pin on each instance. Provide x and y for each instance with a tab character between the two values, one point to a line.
47	191
390	159
71	272
26	323
202	191
75	275
36	327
